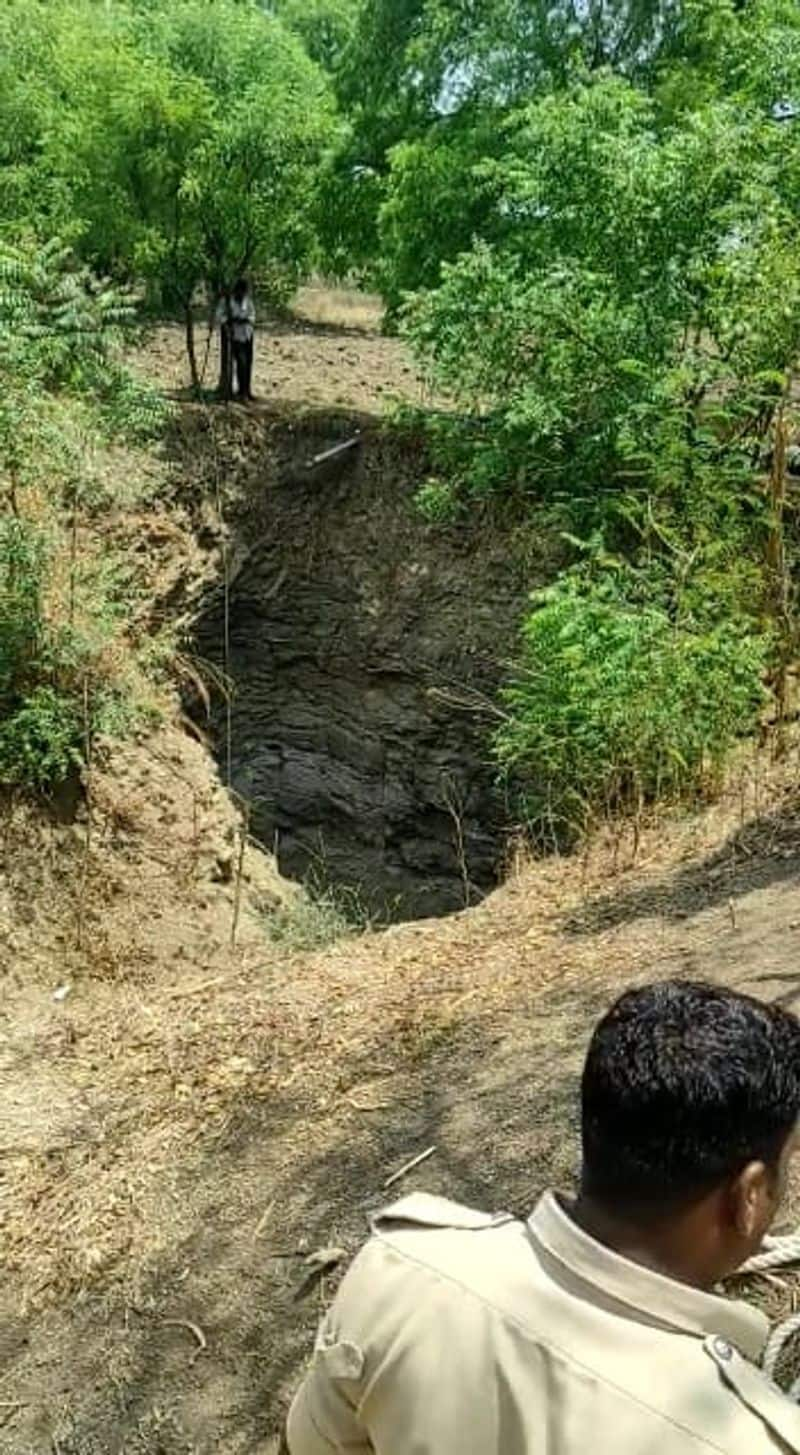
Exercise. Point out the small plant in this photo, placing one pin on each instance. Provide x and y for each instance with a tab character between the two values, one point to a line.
317	916
307	924
67	668
438	503
131	409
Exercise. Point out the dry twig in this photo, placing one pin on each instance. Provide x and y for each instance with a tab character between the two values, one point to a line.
193	1329
409	1167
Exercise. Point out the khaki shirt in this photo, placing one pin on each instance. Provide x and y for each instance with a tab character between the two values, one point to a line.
459	1333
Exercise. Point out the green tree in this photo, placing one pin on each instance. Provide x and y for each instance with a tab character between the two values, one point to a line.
326	27
619	340
635	279
188	144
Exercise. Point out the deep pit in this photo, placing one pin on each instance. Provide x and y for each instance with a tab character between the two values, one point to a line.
365	651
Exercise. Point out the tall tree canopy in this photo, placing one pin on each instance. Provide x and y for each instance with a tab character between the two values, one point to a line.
178	144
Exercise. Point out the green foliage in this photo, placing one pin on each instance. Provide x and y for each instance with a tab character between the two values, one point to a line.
586	217
437	502
63	675
40	726
130	408
636	287
40	740
614	703
618	336
174	145
440	194
58	324
326	27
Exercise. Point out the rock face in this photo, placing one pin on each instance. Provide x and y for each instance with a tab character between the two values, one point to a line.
365	650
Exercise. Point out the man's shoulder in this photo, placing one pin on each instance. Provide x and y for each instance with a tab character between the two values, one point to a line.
475	1261
435	1269
452	1240
424	1210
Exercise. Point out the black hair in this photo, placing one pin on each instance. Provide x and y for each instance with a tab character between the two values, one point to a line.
684	1084
240	287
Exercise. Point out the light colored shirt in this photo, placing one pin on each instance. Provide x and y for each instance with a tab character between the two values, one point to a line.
460	1333
241	315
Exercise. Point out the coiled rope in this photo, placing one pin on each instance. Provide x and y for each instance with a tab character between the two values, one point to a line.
780	1252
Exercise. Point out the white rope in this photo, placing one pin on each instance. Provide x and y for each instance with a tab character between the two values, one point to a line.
776	1253
783	1252
780	1335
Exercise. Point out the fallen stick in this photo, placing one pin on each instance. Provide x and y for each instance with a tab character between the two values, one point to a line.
409	1167
181	991
194	1329
334	452
264	1219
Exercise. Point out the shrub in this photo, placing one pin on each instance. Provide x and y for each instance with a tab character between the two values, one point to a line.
67	669
40	743
56	686
613	704
40	725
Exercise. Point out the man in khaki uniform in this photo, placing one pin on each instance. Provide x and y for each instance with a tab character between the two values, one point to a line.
593	1326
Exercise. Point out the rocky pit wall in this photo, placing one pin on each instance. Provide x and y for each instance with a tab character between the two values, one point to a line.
365	650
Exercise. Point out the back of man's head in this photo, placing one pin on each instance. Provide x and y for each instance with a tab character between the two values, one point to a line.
684	1086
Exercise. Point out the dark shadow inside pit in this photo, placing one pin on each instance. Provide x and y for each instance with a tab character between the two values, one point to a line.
363	649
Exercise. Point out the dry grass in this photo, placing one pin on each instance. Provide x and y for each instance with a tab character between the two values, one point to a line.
335	307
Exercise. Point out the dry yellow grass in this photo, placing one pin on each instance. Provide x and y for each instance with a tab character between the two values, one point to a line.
340	308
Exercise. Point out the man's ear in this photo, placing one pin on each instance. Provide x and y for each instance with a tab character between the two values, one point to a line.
752	1195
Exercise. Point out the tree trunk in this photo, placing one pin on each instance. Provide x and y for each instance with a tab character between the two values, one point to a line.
191	351
777	576
225	385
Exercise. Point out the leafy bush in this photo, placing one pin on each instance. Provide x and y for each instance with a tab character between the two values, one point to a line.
58	323
40	742
67	672
55	689
40	726
614	704
130	408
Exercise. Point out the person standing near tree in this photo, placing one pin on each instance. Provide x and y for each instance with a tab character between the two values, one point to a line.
236	316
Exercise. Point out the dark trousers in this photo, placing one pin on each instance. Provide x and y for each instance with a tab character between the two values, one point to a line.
243	364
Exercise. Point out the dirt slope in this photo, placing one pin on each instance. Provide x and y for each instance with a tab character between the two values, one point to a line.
192	1118
183	1130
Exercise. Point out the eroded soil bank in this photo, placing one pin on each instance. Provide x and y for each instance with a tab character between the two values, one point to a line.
364	651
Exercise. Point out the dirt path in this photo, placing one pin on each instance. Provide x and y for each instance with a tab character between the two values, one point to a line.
297	1086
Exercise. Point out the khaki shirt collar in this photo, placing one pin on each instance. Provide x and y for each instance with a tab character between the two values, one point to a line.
656	1298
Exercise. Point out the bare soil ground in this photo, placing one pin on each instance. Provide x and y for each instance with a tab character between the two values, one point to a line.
184	1118
331	352
191	1120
